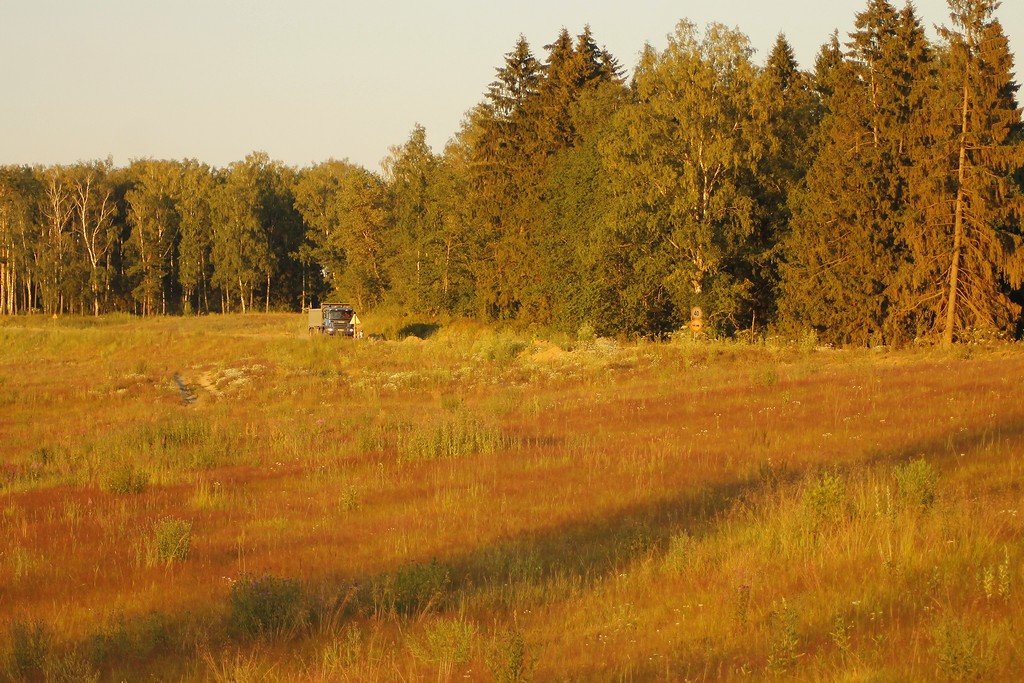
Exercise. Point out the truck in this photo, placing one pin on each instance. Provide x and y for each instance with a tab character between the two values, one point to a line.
335	319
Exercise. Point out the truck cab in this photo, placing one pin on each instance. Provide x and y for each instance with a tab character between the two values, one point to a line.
334	319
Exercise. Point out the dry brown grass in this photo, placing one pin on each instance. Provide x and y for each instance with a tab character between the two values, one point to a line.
491	505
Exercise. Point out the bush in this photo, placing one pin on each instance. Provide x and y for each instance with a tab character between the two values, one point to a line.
507	658
266	606
958	650
412	589
171	542
784	648
824	499
916	482
125	479
454	438
586	334
30	650
499	348
445	641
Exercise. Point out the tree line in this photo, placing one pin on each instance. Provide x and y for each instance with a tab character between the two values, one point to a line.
874	198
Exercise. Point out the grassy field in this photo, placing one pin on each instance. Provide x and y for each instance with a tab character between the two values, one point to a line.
501	505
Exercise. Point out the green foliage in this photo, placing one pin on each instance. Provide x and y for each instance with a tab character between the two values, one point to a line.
874	201
916	482
411	589
347	210
686	209
170	542
267	606
31	647
154	219
507	657
824	499
959	651
458	437
784	646
126	478
500	347
445	641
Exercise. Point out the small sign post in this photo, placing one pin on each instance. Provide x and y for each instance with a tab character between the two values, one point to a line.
696	321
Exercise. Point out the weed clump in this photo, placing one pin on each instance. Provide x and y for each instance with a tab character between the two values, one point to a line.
170	542
126	479
784	648
455	438
680	554
267	606
958	651
916	482
31	645
507	658
445	642
411	589
824	500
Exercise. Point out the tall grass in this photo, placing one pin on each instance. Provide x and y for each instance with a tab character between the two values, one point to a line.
512	504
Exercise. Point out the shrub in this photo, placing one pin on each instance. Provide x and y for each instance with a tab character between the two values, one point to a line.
916	482
507	658
586	334
171	542
958	651
498	348
824	499
412	589
72	667
266	605
455	438
783	650
30	649
679	555
125	479
445	641
808	341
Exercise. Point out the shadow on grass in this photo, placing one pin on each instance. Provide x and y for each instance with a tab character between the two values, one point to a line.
419	330
585	551
943	448
509	574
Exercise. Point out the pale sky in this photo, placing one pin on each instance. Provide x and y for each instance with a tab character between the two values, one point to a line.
309	80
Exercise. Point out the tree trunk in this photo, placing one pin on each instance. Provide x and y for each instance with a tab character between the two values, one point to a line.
3	283
958	226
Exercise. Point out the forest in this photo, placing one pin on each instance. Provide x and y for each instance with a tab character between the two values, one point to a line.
874	198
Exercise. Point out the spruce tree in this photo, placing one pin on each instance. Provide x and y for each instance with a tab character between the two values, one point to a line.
410	171
978	223
505	183
847	262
